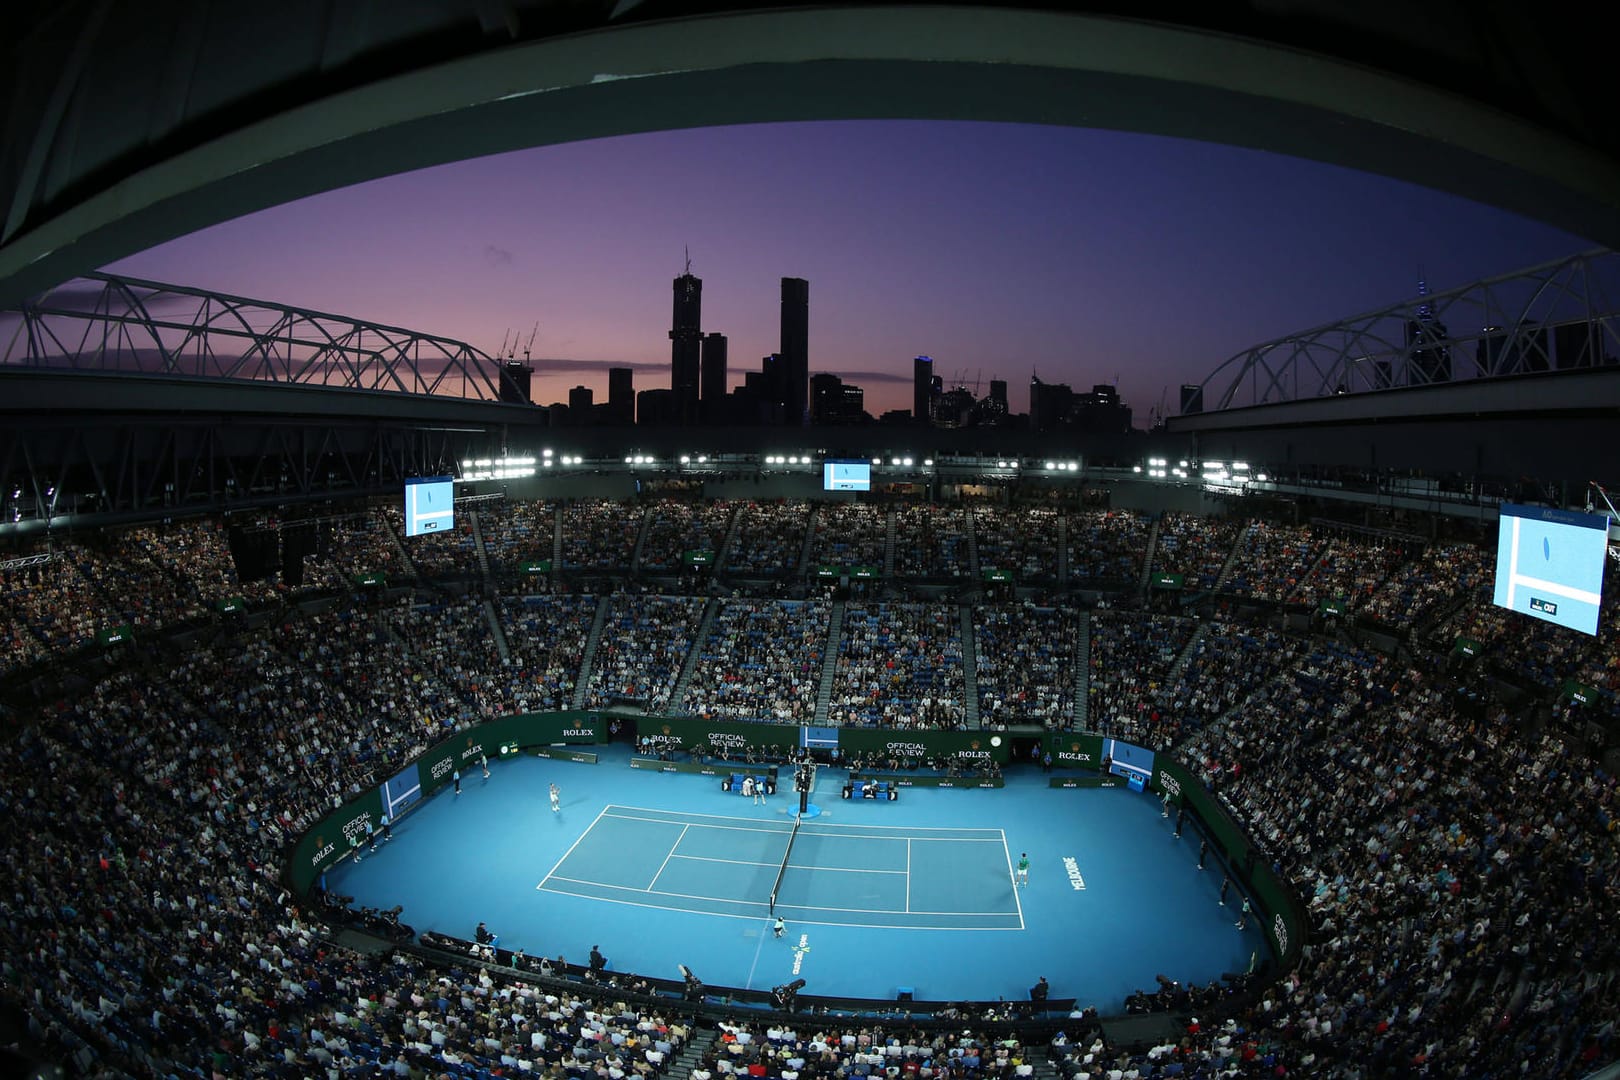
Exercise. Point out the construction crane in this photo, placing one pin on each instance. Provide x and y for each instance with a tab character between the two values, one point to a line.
530	344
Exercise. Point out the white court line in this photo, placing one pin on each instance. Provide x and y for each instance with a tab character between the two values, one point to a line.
908	873
802	922
796	907
1513	561
791	866
668	857
1017	901
986	834
1568	592
570	850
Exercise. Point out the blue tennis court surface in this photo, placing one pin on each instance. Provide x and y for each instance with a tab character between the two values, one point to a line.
901	877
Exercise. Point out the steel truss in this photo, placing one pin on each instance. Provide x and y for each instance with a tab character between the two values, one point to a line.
105	322
60	473
1561	315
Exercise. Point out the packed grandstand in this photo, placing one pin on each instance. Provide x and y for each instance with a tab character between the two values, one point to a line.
1443	818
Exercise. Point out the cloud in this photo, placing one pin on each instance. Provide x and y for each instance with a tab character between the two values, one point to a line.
551	365
497	256
862	377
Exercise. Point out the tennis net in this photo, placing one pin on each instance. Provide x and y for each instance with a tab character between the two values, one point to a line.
785	857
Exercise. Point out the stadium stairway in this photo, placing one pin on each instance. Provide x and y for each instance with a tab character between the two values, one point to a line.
809	543
1147	558
731	536
1180	666
647	516
478	546
972	545
556	539
399	549
888	545
495	631
829	662
1063	550
699	1039
1082	673
1307	576
699	639
1231	561
582	685
970	671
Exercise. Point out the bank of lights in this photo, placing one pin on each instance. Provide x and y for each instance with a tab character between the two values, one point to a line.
502	468
701	459
792	459
548	459
1062	466
640	459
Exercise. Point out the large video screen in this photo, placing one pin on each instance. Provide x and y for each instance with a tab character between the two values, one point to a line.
1549	564
1128	760
430	505
846	476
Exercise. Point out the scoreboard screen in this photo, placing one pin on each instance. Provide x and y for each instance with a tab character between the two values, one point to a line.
430	505
1549	564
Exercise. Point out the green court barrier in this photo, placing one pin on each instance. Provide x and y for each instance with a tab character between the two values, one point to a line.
319	849
714	769
712	736
964	745
1285	916
1085	781
1072	751
557	753
908	780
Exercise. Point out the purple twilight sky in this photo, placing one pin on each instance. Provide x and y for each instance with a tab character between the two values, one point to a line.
1000	250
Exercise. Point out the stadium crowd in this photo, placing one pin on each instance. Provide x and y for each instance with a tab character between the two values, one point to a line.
761	660
644	643
1019	539
1025	663
899	666
1106	547
1458	864
930	541
770	538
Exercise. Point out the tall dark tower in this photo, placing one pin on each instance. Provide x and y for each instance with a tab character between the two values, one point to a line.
1428	356
622	395
795	351
714	377
922	383
686	337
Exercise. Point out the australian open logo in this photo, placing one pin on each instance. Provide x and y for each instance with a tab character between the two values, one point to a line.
1170	784
1279	930
322	850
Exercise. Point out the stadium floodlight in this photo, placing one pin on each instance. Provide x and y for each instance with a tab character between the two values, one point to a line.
1136	468
928	462
627	459
908	462
1260	477
894	461
1240	466
545	453
686	459
877	461
1050	465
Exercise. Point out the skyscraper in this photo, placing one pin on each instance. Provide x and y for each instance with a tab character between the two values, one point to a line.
922	381
795	351
1428	354
621	395
686	336
714	377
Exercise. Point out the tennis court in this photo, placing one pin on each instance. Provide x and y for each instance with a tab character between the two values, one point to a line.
902	877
